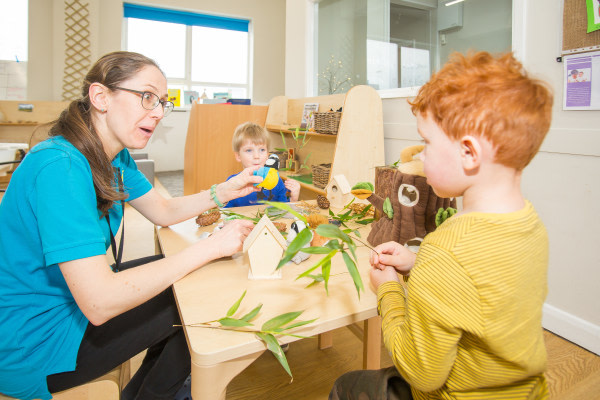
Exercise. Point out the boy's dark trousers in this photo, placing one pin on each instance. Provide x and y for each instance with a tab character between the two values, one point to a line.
371	385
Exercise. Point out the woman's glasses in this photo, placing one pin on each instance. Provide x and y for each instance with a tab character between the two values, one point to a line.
150	101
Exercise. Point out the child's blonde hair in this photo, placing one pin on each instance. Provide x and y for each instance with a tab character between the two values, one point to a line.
252	132
479	94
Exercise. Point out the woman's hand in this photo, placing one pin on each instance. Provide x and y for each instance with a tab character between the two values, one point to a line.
393	254
240	185
229	240
294	187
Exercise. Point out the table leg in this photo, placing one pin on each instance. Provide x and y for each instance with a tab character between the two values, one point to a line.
210	382
372	343
325	340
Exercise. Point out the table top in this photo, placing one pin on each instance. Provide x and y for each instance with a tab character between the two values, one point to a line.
207	294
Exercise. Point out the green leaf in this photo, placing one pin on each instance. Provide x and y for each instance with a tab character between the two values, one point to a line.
316	279
248	317
326	270
286	207
364	185
334	245
280	320
295	246
365	221
318	264
283	140
233	322
235	305
316	250
332	231
298	324
274	347
353	273
387	208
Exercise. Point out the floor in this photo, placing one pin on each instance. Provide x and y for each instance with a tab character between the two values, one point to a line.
172	181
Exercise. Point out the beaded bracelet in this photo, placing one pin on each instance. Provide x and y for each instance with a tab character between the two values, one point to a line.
213	196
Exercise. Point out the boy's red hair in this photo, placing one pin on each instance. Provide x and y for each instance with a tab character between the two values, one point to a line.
492	97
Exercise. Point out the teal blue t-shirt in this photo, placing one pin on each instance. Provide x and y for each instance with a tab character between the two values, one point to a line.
49	215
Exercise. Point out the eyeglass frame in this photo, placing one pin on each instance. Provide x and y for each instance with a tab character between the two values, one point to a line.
142	93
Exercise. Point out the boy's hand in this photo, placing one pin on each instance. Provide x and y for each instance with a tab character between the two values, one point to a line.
294	187
240	185
380	276
393	254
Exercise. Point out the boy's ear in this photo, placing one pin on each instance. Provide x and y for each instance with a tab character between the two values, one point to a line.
237	156
471	153
99	96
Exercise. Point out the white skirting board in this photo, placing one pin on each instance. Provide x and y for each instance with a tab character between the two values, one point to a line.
572	328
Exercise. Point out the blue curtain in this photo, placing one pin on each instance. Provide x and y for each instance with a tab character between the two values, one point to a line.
184	17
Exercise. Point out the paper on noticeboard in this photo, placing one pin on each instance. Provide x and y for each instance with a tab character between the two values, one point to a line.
582	81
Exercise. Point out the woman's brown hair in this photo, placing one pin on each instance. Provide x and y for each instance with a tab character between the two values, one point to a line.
75	122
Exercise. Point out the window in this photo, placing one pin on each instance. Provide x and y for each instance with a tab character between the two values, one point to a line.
13	49
395	45
200	54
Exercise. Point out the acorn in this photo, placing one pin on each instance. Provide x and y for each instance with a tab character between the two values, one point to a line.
208	217
323	202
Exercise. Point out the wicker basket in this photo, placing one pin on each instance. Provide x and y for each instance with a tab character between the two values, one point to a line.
327	122
320	175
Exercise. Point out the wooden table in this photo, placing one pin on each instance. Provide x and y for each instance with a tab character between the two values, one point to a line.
206	295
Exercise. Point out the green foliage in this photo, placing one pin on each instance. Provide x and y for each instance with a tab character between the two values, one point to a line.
348	216
443	215
340	242
273	213
364	185
387	208
279	325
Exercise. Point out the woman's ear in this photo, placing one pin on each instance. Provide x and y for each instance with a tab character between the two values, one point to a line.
471	153
99	96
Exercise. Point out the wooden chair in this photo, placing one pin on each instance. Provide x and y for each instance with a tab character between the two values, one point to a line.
106	387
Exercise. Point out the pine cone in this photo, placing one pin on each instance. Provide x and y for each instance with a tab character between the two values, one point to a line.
209	217
323	202
281	226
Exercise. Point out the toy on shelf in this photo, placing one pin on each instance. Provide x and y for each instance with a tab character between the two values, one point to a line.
406	205
265	246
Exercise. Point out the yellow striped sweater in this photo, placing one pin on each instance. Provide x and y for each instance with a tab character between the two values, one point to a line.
469	324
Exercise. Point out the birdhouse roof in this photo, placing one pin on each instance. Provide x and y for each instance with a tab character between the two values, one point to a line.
264	223
341	182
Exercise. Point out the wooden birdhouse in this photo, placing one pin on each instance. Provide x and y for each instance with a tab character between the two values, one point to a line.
338	191
265	246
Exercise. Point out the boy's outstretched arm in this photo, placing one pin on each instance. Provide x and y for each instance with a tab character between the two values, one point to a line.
393	254
422	330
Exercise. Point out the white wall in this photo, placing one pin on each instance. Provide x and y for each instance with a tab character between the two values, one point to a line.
47	48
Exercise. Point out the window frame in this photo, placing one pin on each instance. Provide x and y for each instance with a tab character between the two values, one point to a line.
187	81
518	32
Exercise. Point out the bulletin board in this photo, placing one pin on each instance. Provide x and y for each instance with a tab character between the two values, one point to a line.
575	37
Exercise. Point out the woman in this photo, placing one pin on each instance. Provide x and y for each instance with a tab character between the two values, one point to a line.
67	318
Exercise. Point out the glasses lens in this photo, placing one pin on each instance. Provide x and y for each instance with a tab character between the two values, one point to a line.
149	101
167	108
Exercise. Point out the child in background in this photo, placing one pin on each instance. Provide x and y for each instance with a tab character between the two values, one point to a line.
250	146
469	324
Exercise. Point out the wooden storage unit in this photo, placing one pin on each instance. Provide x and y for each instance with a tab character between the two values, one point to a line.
208	153
18	126
354	151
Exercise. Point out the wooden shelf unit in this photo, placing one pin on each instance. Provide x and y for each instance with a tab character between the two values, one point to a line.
354	151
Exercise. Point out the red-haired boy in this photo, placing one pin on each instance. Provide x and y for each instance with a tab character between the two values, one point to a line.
468	325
